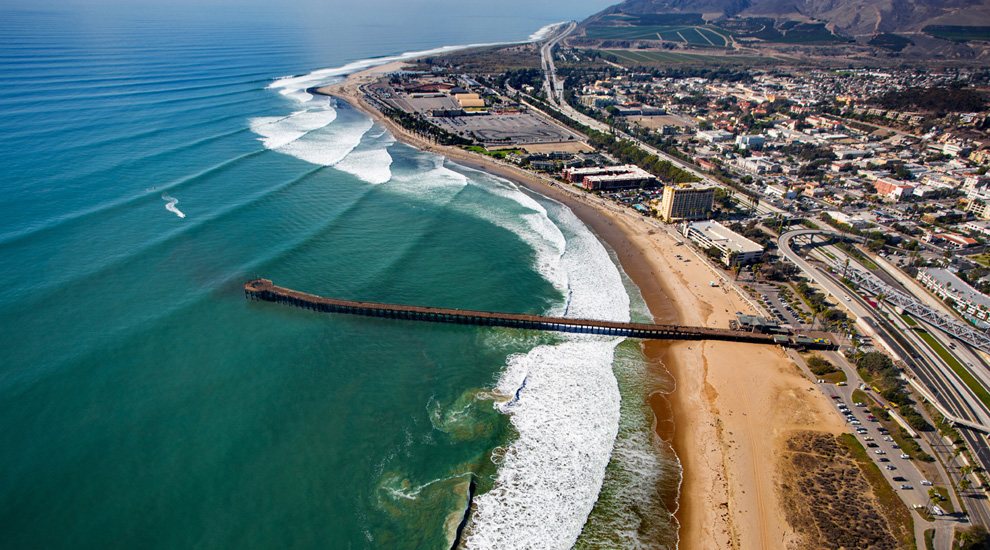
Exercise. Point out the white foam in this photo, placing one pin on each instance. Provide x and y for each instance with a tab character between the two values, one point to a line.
170	205
309	135
434	182
277	132
543	32
563	399
372	164
548	480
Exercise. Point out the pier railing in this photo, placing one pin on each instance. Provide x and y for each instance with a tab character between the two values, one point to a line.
264	289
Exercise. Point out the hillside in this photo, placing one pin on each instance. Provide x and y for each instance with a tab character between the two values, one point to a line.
945	29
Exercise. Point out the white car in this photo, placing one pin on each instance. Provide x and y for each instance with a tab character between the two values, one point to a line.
905	456
925	482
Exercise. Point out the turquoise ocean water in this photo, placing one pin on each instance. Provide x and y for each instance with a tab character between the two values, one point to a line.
154	160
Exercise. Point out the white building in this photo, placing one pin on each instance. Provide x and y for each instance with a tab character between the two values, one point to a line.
708	234
854	221
972	304
781	191
750	141
715	136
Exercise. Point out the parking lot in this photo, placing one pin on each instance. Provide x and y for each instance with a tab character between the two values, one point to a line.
897	467
782	311
506	128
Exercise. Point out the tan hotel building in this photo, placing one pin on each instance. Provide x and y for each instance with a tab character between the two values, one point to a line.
685	201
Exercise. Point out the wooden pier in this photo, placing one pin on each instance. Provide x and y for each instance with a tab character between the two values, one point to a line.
264	289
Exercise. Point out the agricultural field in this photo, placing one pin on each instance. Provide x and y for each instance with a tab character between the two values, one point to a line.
636	58
721	36
694	35
958	33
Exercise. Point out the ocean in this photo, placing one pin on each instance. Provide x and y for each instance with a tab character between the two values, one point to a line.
156	158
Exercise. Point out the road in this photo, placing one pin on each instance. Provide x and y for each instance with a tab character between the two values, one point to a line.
933	373
554	88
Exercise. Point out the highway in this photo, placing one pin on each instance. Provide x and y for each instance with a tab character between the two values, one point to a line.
930	370
554	88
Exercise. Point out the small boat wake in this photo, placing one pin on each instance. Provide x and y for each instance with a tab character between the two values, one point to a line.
170	206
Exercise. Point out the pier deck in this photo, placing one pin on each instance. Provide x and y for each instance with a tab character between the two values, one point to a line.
264	289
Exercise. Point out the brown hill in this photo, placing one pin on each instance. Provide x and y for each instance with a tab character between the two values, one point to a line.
947	29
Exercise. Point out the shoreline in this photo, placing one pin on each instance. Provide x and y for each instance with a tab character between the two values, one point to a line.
728	494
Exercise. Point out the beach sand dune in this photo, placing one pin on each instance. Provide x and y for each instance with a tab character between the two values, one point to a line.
735	405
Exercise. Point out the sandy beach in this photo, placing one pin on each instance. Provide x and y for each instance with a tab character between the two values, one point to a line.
734	403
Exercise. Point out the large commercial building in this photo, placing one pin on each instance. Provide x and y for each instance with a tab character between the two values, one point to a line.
609	177
893	189
685	201
735	248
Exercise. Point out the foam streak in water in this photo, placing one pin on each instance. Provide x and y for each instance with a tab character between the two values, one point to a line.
170	205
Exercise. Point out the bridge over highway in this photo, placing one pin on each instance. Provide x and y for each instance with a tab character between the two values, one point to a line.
873	284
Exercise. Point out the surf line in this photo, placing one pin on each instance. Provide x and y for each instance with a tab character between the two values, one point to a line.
170	206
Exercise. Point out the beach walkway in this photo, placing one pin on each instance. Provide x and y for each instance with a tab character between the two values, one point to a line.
264	289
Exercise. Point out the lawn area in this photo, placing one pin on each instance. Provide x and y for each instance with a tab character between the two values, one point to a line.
982	259
981	392
946	503
835	377
867	263
859	396
907	319
500	154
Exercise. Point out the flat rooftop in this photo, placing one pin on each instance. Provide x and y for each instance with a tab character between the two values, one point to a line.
717	232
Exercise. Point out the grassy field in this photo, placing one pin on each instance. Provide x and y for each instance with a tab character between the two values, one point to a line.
907	319
698	36
650	57
983	259
946	503
958	33
859	396
973	384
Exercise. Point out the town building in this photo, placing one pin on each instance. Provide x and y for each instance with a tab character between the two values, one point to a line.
715	136
854	221
685	201
893	189
735	248
750	142
781	191
965	299
978	209
949	240
609	177
978	226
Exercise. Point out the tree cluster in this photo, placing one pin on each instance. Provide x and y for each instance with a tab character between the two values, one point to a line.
937	99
